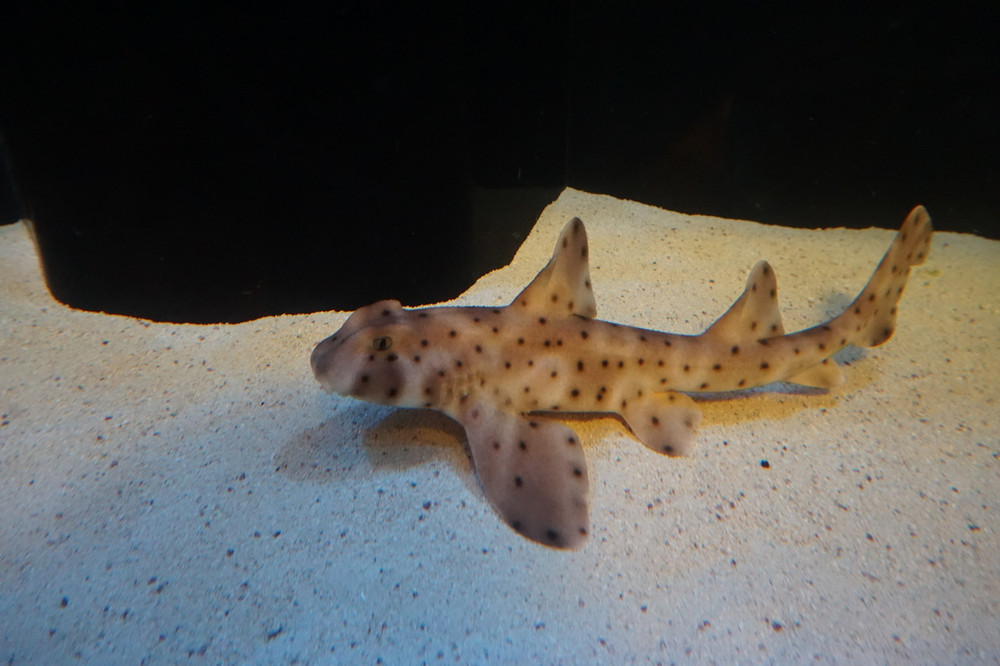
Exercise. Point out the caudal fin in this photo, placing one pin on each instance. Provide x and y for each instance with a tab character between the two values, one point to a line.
871	318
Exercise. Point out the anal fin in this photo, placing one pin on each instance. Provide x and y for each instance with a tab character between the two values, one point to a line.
826	374
533	471
665	422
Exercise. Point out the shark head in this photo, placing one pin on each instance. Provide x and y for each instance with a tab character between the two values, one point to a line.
373	357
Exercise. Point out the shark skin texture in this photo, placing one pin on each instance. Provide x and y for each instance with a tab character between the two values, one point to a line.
504	372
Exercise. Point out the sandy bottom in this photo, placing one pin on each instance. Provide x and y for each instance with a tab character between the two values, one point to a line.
180	491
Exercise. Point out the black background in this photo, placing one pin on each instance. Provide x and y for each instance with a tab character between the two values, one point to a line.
206	162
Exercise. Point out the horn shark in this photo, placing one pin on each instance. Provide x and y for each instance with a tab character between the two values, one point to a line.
502	372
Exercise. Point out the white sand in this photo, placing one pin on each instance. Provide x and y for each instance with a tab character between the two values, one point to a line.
179	491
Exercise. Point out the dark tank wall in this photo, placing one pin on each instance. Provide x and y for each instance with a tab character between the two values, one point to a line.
798	114
200	163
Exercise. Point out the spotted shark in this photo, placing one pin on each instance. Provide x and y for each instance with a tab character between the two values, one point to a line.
504	372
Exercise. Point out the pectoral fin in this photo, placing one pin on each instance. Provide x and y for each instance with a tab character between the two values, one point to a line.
533	471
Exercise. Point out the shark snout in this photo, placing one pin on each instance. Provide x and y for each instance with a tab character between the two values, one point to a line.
322	361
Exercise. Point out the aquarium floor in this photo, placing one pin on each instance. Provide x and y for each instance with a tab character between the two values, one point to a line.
184	492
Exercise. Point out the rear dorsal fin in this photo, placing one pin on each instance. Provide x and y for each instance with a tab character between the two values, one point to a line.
563	286
754	315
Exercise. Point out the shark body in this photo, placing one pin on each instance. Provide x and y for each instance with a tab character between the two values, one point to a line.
501	372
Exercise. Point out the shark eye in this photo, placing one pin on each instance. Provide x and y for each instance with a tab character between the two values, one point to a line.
381	343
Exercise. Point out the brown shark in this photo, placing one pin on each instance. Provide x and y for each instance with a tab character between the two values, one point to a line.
502	372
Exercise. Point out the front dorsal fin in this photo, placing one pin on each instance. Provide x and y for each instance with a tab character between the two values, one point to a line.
563	286
754	315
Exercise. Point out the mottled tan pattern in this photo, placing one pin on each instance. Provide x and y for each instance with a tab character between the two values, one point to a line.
495	369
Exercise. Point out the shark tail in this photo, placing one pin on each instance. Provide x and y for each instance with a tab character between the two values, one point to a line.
871	318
